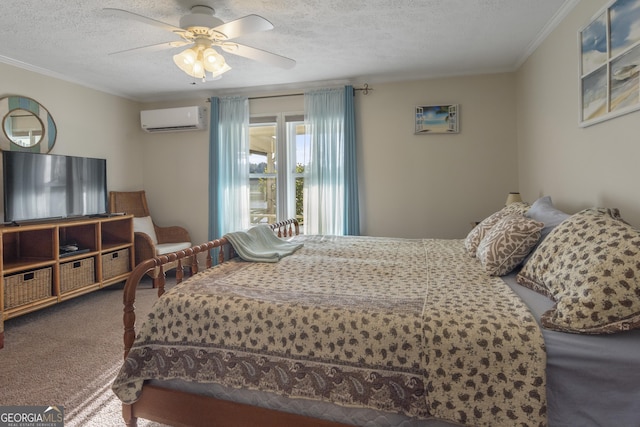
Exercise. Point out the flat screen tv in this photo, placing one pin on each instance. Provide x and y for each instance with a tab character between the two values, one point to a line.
44	186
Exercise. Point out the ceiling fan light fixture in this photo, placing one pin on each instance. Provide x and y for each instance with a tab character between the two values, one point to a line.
213	61
185	60
190	61
202	30
198	70
197	61
215	75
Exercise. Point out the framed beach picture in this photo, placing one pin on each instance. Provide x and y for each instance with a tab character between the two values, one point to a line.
434	119
610	62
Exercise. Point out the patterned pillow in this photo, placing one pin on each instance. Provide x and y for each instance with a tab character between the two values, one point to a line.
517	207
589	265
508	243
474	237
543	210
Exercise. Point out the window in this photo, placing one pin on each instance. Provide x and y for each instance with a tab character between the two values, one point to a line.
279	151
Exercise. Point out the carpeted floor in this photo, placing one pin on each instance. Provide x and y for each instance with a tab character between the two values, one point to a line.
68	355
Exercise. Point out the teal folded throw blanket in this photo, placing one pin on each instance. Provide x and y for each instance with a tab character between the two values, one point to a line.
260	244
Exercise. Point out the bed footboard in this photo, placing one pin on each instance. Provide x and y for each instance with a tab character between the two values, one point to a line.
131	285
155	401
287	228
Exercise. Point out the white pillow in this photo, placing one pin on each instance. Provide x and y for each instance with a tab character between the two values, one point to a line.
145	225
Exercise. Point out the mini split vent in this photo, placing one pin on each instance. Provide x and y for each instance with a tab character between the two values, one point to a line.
173	119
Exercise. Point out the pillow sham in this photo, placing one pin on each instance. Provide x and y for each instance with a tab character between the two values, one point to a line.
543	210
517	208
508	243
590	266
475	236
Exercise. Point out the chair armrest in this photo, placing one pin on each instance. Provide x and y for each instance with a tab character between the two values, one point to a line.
172	234
144	247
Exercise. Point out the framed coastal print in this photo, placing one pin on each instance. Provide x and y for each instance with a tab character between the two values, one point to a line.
610	62
434	119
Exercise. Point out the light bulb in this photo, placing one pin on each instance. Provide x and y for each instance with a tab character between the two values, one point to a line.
198	69
197	61
210	56
188	56
186	60
213	61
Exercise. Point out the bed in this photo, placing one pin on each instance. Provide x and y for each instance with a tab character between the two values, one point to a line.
373	332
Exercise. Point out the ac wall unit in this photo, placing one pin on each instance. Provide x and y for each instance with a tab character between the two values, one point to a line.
173	119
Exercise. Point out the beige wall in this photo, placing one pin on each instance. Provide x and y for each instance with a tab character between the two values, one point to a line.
90	123
578	167
435	185
175	169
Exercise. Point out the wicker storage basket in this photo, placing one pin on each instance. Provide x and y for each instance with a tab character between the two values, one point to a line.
115	263
27	287
76	274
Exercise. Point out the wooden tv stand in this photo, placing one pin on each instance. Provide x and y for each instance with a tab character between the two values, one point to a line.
36	271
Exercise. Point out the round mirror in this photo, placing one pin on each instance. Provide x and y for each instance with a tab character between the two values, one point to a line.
23	127
26	125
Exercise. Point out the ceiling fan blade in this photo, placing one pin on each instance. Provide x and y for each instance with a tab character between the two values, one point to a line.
131	15
258	55
245	25
154	47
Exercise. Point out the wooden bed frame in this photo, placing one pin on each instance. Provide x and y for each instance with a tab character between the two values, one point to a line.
186	409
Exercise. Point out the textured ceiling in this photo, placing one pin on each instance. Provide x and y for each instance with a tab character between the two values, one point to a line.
333	41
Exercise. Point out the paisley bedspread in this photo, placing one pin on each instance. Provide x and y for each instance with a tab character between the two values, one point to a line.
399	325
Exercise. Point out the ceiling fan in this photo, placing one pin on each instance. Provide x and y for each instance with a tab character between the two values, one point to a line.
202	31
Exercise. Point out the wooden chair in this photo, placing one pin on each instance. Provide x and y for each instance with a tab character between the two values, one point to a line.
150	240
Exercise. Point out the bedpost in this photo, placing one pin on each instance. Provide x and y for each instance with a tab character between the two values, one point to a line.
194	263
127	414
129	299
208	260
179	272
160	281
286	228
220	254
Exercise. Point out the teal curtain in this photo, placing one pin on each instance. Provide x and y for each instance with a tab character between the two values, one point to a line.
330	184
214	139
228	166
351	225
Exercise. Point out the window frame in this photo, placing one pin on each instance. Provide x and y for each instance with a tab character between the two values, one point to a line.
285	156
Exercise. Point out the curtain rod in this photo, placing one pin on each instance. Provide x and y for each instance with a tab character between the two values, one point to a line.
364	89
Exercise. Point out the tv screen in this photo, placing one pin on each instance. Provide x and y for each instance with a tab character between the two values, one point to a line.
41	186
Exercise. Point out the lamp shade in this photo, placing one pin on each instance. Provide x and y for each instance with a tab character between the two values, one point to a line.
513	197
